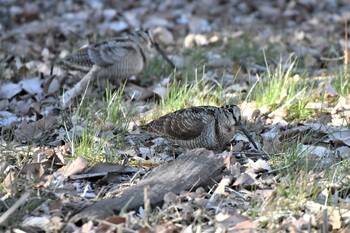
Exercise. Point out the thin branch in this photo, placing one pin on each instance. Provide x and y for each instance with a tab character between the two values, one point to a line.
14	207
346	53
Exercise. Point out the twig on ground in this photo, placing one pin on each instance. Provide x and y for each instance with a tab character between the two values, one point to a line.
14	207
67	97
346	52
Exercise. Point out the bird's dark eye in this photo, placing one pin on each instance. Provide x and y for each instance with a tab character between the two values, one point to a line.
230	108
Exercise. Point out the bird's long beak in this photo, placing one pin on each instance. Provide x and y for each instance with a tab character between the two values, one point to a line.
165	57
247	134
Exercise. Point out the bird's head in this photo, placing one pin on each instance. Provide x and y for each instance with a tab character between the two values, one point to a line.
232	113
146	37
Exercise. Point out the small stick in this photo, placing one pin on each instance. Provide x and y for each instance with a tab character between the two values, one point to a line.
346	52
147	205
14	207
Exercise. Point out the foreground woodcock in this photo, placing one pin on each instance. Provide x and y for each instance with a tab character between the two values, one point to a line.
118	58
204	126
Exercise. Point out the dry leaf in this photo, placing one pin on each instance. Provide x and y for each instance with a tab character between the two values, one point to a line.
32	86
244	180
105	167
9	90
229	220
75	167
115	220
35	130
9	183
261	166
87	227
33	171
244	227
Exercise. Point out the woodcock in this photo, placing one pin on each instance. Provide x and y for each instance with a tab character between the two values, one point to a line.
118	58
204	126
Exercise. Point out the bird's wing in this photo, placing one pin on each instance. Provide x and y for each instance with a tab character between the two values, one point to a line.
184	124
103	54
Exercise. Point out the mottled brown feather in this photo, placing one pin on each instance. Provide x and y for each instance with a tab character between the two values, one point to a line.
117	57
203	126
185	124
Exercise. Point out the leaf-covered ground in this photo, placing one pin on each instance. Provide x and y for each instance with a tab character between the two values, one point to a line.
283	62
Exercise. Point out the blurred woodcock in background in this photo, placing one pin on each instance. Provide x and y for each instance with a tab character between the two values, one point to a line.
203	126
118	58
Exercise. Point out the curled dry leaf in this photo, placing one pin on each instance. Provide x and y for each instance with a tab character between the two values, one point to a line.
230	220
87	227
225	181
261	166
245	181
45	223
9	90
9	183
160	89
51	86
75	167
138	92
32	86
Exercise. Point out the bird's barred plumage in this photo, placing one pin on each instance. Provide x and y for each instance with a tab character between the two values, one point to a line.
203	126
117	58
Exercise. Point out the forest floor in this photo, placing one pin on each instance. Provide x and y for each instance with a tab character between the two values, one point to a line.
88	168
